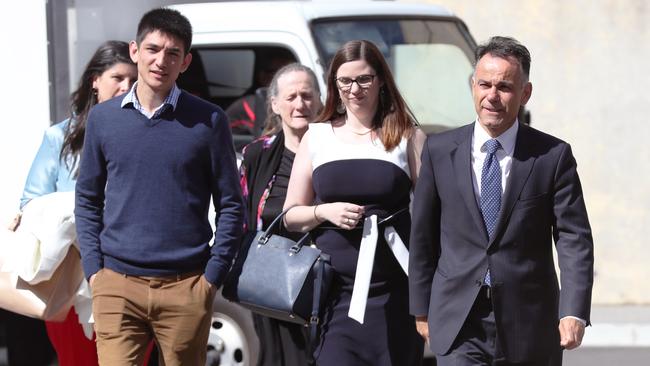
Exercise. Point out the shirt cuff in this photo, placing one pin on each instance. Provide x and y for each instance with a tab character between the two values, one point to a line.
90	267
584	322
215	274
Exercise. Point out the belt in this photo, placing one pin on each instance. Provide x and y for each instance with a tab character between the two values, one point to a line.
164	279
366	260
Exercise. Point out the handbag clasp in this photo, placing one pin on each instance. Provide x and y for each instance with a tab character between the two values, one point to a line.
263	240
295	249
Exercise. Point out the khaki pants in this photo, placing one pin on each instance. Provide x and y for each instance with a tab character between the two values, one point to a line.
129	311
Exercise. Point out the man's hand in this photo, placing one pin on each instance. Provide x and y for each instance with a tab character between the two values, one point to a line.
91	280
422	325
15	222
571	332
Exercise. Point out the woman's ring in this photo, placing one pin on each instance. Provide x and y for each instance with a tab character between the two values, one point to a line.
349	221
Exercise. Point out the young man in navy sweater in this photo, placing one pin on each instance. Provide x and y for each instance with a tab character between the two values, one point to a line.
152	160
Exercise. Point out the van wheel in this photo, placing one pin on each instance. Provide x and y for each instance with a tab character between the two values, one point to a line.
232	340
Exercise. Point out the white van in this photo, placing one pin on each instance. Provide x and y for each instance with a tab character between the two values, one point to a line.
429	50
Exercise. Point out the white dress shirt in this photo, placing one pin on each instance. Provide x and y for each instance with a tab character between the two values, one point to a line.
504	155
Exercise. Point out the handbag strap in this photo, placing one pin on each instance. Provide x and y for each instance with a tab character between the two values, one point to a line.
315	310
276	222
274	227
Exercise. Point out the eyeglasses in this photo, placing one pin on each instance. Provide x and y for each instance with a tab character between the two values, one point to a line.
364	82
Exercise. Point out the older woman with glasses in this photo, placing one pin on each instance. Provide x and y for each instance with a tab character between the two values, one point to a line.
350	185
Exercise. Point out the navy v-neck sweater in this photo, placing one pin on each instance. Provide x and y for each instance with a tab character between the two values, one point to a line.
144	189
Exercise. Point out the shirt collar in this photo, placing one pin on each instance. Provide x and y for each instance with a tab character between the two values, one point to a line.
132	98
507	139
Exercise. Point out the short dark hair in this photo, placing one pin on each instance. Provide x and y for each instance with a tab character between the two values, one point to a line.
505	47
168	21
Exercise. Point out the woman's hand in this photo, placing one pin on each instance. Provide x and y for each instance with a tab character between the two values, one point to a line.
15	222
342	214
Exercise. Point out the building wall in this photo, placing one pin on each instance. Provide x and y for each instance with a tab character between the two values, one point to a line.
589	78
24	97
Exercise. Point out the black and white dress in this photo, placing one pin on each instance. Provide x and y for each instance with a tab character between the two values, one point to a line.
368	175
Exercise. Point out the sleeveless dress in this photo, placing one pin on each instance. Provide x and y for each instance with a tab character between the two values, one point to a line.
367	175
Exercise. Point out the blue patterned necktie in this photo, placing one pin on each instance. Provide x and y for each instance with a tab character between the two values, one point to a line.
490	191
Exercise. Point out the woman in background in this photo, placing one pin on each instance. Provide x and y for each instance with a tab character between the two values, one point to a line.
109	73
352	177
293	102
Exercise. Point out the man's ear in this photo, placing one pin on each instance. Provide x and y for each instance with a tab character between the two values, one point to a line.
528	90
186	62
472	83
133	51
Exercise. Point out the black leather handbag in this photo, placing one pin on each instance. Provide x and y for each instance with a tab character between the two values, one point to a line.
278	277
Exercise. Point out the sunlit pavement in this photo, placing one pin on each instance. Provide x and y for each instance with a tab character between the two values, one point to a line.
619	336
619	326
608	356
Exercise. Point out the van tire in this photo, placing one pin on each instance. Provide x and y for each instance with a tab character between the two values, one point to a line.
232	340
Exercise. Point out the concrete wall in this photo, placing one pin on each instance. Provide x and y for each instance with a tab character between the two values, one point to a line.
589	78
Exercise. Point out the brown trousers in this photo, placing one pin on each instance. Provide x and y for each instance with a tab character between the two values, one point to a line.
129	311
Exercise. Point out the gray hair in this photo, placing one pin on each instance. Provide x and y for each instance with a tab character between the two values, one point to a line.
273	123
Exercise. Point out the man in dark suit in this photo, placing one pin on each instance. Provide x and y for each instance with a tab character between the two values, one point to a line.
491	198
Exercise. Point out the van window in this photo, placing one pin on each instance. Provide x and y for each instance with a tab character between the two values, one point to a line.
223	74
228	72
430	59
235	78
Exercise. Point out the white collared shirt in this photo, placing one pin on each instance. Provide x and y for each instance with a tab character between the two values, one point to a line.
504	155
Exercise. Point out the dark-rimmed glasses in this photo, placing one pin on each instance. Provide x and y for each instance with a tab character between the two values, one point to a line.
364	82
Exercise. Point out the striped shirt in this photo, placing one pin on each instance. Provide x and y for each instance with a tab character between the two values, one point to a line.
132	99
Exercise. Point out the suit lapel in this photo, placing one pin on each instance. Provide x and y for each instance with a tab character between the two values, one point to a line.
522	164
461	161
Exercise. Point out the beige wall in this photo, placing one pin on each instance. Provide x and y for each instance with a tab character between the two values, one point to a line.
589	78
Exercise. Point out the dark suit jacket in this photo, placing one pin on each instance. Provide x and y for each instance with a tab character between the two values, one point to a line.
450	250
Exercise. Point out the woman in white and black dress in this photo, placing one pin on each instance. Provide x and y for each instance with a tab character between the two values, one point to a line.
353	174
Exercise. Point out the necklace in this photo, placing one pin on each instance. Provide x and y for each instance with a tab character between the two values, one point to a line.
356	132
360	133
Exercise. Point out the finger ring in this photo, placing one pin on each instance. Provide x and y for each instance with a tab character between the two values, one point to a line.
349	220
